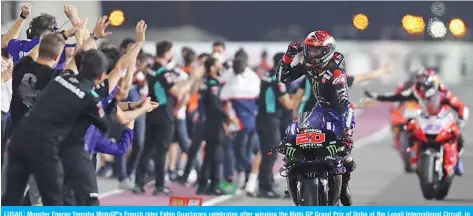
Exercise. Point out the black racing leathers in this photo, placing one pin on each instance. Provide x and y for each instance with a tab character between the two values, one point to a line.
329	84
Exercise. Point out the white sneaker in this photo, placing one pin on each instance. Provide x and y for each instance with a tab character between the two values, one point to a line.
125	184
192	176
252	183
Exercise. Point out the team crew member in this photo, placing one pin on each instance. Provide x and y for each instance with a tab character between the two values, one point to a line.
197	134
79	169
14	31
32	73
38	26
160	122
30	76
214	132
34	146
273	97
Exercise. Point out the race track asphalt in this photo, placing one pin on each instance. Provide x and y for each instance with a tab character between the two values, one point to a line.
378	180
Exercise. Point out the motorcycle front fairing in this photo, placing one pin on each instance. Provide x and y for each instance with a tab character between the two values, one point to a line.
438	135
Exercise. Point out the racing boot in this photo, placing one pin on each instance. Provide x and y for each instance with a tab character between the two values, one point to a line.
345	196
286	194
459	168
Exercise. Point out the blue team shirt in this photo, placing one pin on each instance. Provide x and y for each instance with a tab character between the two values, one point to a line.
19	48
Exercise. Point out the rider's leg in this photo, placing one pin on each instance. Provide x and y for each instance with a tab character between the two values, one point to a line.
349	163
459	167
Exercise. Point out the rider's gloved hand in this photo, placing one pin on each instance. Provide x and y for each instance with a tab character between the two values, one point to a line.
369	94
294	48
347	141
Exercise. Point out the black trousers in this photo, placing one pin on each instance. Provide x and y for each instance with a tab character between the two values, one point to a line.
80	179
211	167
139	134
43	162
197	138
159	135
268	128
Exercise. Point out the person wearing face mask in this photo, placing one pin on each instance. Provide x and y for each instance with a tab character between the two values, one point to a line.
240	93
160	122
273	98
214	133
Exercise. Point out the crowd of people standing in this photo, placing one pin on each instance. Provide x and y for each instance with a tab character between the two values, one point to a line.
69	108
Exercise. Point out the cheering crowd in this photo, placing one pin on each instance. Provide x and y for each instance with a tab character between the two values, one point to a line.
143	118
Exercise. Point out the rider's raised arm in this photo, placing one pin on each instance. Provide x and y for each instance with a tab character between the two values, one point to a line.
393	96
286	73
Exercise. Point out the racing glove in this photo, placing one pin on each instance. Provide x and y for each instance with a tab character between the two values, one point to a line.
293	49
369	94
347	141
461	123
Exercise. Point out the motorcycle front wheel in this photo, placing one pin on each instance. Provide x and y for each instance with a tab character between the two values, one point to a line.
312	192
428	176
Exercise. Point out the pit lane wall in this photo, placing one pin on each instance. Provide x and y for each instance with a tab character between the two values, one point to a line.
454	60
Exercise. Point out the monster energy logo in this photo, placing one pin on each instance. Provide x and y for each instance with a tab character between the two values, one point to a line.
332	150
311	175
290	152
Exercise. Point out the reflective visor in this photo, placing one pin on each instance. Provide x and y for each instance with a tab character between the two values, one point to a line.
315	52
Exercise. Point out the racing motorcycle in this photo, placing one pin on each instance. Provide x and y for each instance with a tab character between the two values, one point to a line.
435	151
313	165
400	118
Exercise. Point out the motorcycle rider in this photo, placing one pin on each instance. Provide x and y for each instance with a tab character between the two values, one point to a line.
325	70
427	86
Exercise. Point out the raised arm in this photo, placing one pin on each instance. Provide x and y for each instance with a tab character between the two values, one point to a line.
72	14
285	73
129	58
99	32
371	75
14	31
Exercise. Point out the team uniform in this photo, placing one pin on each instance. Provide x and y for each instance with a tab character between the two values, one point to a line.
34	146
268	123
159	128
214	135
20	48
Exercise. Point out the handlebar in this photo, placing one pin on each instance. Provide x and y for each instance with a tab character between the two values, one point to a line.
280	149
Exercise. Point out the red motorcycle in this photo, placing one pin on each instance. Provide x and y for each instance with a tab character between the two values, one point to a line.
399	119
434	153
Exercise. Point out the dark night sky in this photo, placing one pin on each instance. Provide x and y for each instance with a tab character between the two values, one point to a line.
253	20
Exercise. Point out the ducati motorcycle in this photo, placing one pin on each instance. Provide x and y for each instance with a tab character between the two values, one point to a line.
435	152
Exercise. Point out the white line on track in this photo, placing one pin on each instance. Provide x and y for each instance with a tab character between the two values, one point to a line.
363	142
